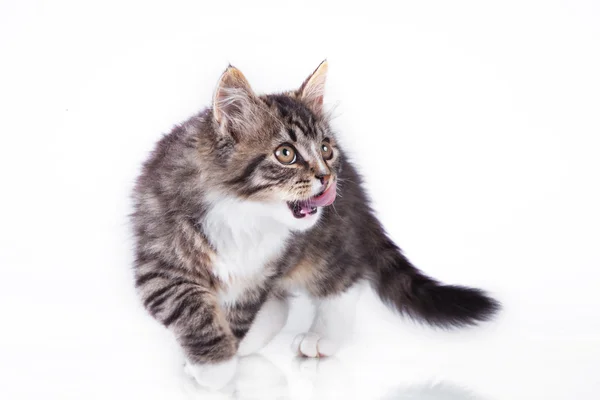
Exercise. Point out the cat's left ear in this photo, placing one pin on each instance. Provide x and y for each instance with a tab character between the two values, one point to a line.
233	102
312	90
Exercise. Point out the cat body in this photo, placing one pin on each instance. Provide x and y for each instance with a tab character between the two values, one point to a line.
251	199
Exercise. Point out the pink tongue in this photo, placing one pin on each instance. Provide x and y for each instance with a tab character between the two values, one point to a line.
325	199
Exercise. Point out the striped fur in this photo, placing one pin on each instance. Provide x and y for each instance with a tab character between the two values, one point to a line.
200	271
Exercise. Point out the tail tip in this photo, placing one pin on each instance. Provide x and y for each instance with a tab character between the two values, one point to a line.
458	306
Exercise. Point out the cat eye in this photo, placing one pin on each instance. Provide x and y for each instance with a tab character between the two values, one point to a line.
326	150
286	154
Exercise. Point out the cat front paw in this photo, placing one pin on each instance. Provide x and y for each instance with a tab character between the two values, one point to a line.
311	344
213	376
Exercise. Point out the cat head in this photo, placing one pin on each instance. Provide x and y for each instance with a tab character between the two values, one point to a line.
276	148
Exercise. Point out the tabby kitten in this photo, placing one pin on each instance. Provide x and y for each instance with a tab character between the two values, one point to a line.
232	214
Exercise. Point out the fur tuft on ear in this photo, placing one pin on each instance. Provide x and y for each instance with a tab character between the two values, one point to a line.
312	90
233	102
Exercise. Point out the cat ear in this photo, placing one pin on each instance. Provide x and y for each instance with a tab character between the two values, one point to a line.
312	90
233	101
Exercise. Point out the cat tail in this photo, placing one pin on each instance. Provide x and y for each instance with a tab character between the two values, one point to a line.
400	285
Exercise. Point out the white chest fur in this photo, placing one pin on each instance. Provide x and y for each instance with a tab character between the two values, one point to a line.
247	239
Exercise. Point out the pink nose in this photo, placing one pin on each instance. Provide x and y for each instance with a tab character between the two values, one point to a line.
323	178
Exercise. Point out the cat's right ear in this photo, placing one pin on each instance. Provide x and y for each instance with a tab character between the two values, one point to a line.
313	88
233	101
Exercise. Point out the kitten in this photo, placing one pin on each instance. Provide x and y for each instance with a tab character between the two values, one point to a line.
233	211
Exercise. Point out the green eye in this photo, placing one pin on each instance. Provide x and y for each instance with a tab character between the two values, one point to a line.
326	150
286	154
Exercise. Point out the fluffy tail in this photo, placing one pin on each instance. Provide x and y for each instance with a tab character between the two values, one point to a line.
401	285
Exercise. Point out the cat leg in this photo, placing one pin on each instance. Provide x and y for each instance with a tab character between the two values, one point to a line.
332	325
268	322
197	320
209	345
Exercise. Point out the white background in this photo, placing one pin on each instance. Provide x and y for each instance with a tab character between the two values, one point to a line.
474	123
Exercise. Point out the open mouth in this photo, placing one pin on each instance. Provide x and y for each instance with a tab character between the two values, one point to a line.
302	208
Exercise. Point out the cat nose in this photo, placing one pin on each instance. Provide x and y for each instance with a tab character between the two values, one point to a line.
324	178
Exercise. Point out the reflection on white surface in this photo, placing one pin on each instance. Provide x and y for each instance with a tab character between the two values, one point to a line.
258	378
436	391
390	359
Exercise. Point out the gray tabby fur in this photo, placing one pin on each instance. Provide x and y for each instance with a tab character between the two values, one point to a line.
227	152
